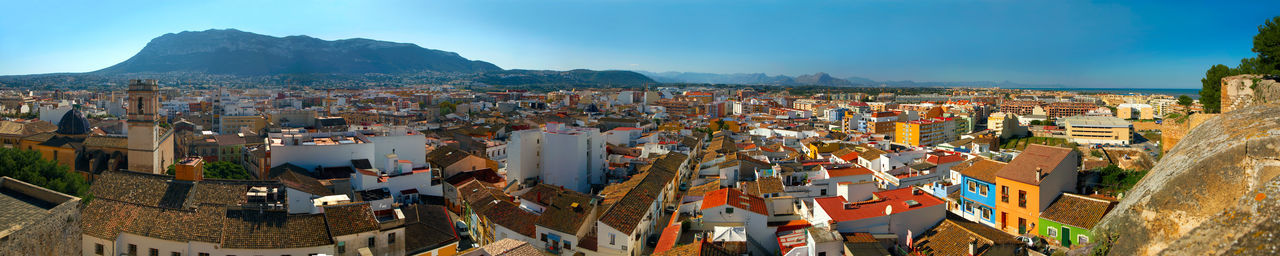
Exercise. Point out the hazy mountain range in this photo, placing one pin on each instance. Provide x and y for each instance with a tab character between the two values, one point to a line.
195	56
820	78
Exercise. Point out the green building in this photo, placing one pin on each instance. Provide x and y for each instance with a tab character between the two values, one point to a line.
1070	219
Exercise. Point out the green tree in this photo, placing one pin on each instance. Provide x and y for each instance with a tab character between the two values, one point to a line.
1036	122
1211	87
447	107
225	170
30	167
1267	43
1185	101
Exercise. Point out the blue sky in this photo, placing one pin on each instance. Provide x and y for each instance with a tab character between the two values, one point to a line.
1155	44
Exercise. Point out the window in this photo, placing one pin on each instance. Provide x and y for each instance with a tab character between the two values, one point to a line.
544	238
611	236
1022	199
824	191
1081	239
391	238
97	249
568	245
342	247
155	252
1004	194
983	190
822	253
728	210
972	186
133	249
1052	232
175	254
203	254
371	242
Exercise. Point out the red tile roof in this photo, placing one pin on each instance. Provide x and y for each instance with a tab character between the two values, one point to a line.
942	157
839	212
668	239
788	240
735	198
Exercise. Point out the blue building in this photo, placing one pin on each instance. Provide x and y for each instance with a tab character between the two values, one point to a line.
978	190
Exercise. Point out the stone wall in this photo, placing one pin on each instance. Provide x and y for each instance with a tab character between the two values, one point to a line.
1215	193
1244	90
57	235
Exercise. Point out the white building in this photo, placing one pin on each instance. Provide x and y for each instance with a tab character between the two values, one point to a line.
332	149
888	212
572	157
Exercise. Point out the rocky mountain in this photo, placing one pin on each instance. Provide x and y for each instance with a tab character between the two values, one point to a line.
1216	192
235	52
823	79
238	58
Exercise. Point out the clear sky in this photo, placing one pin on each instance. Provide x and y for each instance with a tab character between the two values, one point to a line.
1155	44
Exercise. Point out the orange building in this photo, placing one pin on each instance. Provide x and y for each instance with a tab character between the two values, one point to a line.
1029	184
925	132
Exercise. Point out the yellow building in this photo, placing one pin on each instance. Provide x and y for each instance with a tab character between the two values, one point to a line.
74	145
925	132
818	148
1098	130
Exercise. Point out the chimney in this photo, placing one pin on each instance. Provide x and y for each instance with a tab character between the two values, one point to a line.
189	169
1039	174
973	247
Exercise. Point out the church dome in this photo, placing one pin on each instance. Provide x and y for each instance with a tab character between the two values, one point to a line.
73	123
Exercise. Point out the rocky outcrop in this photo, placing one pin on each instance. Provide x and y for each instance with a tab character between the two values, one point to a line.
1217	192
1244	90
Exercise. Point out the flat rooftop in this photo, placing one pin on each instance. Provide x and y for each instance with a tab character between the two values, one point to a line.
20	208
1096	121
23	203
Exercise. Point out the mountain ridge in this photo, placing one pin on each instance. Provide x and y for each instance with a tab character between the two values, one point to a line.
821	78
235	52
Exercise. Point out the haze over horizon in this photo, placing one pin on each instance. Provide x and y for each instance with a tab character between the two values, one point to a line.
1115	45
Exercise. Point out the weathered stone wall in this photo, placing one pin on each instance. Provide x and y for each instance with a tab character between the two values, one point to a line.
1217	192
57	235
1244	90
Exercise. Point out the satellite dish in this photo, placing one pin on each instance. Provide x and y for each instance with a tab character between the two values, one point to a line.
888	209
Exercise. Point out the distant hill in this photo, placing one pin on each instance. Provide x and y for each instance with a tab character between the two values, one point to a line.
820	78
572	77
710	78
234	52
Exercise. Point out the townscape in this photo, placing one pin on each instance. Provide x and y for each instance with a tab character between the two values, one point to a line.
665	170
628	128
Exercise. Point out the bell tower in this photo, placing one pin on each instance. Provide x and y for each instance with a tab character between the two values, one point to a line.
144	133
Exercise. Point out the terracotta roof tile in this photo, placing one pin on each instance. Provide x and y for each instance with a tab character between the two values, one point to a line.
349	219
984	170
736	199
1023	168
952	237
1077	210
